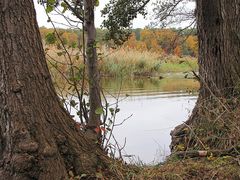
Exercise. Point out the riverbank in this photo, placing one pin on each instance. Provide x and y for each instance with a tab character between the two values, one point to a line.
148	64
199	168
121	63
219	168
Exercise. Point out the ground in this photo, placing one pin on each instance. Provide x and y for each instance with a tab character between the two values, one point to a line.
201	168
207	168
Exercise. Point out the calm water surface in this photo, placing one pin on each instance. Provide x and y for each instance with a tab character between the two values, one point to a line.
156	106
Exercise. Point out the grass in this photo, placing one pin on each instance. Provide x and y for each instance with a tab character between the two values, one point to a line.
122	62
135	63
186	66
219	168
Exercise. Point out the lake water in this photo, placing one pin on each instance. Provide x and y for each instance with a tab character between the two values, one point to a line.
156	106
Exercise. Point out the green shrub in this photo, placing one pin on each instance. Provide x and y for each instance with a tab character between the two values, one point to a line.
50	38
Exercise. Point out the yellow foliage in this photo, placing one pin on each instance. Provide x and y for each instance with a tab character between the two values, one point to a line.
192	44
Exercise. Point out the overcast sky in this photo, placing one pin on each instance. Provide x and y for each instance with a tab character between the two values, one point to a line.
139	22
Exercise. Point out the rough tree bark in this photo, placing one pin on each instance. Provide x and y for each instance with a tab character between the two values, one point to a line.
38	138
219	42
93	73
219	65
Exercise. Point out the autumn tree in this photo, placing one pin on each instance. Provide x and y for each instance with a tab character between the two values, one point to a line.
38	138
190	45
177	51
148	36
166	41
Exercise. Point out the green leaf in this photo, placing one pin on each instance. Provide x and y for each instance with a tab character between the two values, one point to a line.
49	8
51	2
111	110
65	7
50	5
99	111
96	2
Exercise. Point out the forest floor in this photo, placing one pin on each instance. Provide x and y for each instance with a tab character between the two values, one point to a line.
221	168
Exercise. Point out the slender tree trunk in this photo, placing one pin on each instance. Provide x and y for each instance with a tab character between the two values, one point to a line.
38	138
93	73
219	69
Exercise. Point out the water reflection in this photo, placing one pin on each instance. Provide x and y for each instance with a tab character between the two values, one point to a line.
147	131
145	86
157	107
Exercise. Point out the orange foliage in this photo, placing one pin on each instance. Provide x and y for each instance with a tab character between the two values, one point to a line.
69	38
163	41
132	43
177	51
192	44
150	38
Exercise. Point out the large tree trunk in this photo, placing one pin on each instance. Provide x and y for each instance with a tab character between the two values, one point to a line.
215	119
219	47
92	65
38	138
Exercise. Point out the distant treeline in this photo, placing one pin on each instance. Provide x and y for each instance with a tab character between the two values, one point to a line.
163	41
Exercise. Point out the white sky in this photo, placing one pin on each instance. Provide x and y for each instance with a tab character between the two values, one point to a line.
139	22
